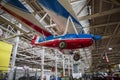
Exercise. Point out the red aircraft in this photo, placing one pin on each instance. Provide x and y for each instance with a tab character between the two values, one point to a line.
60	15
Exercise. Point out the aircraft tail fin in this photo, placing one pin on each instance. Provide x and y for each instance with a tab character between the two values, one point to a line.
97	37
34	39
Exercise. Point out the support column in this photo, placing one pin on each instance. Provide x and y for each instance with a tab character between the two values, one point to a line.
14	53
56	72
72	63
63	66
75	67
42	63
43	17
69	66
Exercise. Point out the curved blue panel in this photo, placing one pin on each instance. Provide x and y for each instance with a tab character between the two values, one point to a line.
56	7
71	36
17	3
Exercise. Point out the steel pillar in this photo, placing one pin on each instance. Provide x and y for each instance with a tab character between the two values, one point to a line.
72	63
42	63
10	77
56	71
63	66
69	66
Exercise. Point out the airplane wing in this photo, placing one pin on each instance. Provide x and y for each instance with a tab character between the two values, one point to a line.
60	11
16	9
67	6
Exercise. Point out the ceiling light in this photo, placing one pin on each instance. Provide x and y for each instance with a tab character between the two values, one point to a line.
110	49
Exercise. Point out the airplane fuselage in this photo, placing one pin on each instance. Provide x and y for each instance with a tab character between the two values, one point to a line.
68	41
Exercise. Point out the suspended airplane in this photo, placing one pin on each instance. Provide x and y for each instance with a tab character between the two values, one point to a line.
68	41
61	13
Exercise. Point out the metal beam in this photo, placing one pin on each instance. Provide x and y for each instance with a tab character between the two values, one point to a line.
92	12
2	27
63	63
13	25
106	1
103	25
107	45
109	53
43	17
56	66
102	47
106	37
16	27
100	6
42	63
17	35
14	53
115	2
83	7
100	14
74	1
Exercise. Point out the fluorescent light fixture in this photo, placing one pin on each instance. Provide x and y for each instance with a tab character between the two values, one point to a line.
110	49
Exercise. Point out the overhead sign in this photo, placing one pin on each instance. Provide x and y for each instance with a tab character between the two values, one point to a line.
5	53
